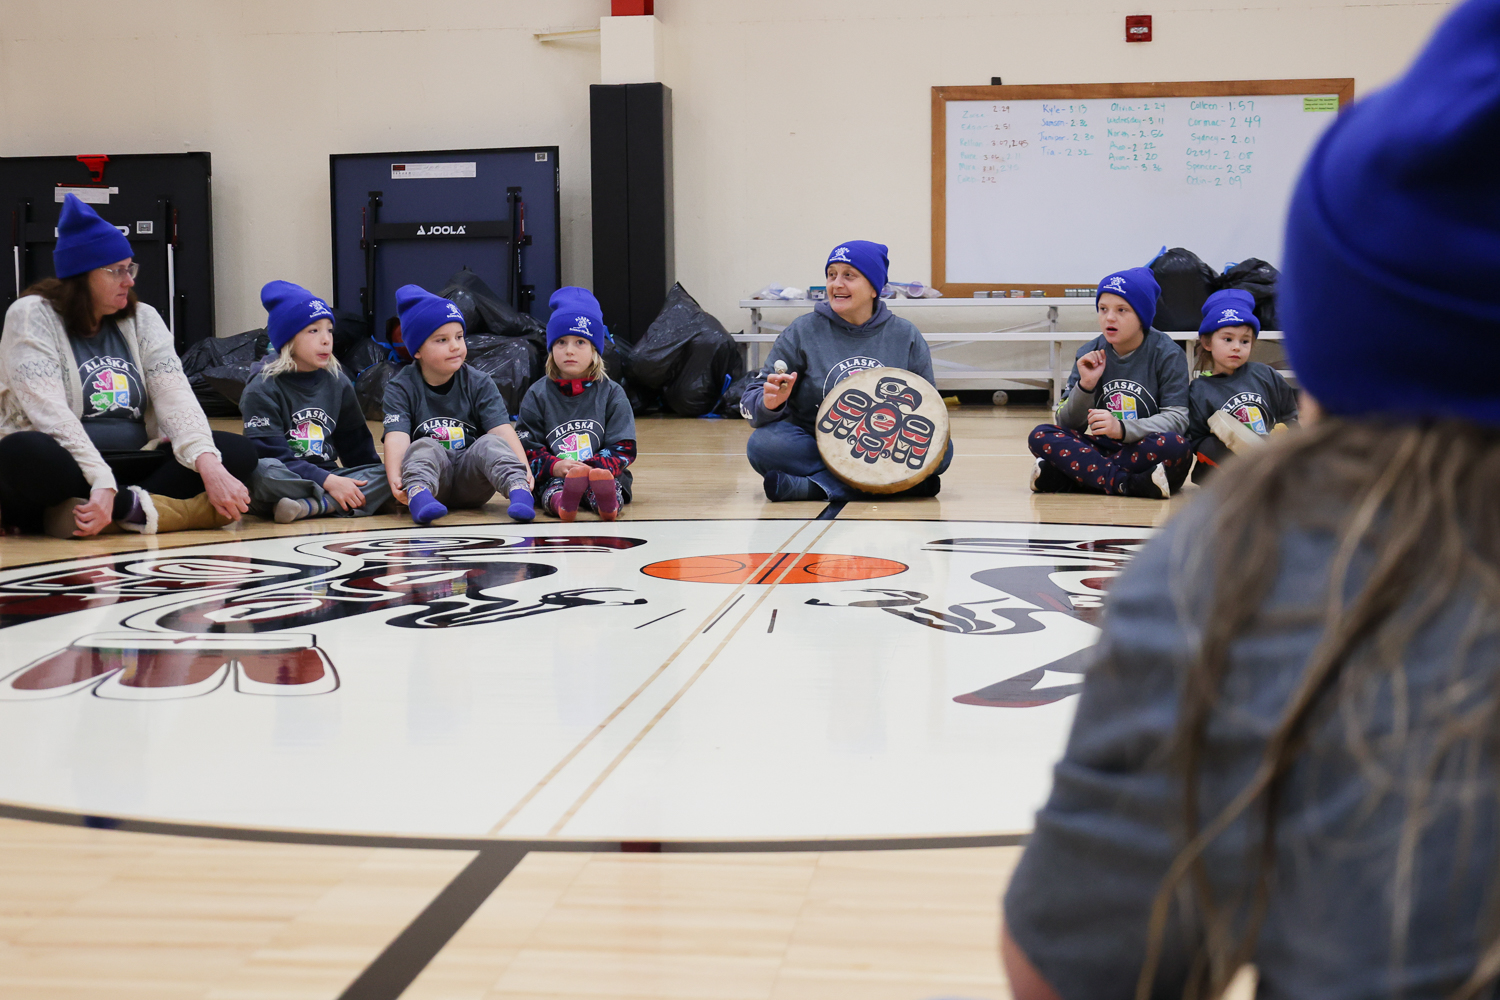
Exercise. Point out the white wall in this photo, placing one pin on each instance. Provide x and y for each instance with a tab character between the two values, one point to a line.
797	123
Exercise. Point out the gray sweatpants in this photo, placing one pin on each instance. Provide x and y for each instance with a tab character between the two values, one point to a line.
464	478
273	481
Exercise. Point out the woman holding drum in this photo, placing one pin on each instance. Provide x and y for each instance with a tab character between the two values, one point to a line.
892	427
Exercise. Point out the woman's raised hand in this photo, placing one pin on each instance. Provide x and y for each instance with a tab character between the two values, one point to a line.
778	390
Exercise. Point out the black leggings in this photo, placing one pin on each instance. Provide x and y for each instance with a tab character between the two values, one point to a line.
36	472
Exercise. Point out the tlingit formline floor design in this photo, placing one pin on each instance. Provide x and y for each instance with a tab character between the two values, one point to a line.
718	749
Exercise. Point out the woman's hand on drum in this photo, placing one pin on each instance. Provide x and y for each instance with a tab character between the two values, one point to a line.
1102	423
94	516
226	493
778	390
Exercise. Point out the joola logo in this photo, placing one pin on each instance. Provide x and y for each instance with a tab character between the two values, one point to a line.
1115	284
580	326
842	253
1231	314
442	230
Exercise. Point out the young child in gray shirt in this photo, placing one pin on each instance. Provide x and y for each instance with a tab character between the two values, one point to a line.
577	424
316	455
448	438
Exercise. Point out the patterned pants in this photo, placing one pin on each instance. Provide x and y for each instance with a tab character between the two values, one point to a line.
1104	465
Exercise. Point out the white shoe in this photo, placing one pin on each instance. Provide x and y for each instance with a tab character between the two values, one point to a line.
1036	473
1159	477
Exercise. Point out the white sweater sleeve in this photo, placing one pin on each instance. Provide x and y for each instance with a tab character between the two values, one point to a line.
33	370
178	414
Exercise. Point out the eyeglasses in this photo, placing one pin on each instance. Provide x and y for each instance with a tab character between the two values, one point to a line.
122	271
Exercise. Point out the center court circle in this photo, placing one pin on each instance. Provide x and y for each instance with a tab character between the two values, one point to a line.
774	567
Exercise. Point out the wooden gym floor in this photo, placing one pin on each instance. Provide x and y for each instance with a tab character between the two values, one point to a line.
95	907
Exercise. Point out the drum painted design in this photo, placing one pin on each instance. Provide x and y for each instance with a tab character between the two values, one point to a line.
882	430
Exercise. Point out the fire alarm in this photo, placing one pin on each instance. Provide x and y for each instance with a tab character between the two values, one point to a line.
1138	28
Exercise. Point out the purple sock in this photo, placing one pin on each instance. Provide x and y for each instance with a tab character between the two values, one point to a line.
425	507
128	507
522	506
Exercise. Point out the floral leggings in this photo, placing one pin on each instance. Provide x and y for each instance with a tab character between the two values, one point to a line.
1104	465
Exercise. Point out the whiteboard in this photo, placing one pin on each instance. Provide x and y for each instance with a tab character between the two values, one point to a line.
1066	191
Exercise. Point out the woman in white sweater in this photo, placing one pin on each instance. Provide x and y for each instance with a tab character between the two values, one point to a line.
99	429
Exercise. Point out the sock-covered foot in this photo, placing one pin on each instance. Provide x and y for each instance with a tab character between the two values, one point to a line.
1047	478
781	487
425	507
606	498
134	511
522	506
289	509
1149	485
575	485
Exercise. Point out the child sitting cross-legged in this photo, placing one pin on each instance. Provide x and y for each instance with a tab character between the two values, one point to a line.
448	438
577	423
302	415
1254	395
1120	422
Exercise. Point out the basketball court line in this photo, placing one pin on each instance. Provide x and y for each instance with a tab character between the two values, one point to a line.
708	622
604	775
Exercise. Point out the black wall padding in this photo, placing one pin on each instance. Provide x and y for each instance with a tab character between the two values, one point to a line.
631	138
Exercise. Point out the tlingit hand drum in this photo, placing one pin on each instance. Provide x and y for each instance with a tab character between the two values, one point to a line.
882	430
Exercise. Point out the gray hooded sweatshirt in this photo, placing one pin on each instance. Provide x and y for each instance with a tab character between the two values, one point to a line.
823	349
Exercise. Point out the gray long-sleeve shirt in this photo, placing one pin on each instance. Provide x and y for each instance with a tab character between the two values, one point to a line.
1146	389
823	349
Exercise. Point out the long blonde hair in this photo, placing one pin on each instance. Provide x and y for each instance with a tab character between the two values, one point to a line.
1412	510
284	363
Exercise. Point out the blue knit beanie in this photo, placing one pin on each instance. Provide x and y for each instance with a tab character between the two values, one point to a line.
1393	240
1136	285
576	313
869	259
422	313
292	308
1228	307
85	241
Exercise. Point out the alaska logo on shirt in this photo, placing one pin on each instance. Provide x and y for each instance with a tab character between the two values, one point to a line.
1127	400
311	429
848	367
446	431
577	440
1250	409
109	389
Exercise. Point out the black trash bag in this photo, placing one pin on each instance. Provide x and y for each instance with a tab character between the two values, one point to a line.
349	330
361	355
1259	279
642	401
228	381
369	388
513	362
685	354
711	367
613	366
1185	282
729	403
238	352
486	312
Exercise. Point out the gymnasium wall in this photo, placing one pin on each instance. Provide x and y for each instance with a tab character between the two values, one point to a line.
798	123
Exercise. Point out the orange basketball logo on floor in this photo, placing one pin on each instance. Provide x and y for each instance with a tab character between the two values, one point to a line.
774	567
